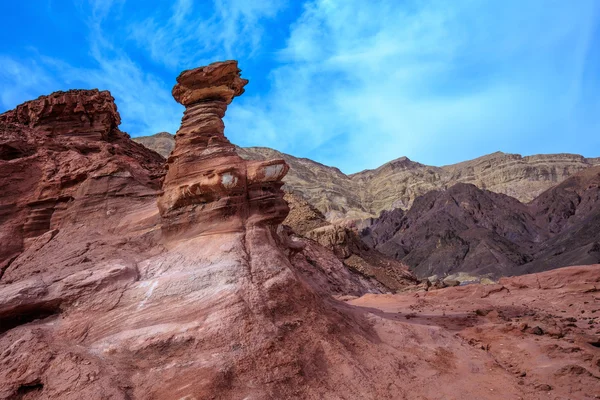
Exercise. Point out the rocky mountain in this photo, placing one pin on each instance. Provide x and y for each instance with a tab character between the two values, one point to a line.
163	143
125	278
398	183
470	230
309	224
570	215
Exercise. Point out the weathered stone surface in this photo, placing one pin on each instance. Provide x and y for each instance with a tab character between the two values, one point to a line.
220	81
115	299
63	158
346	245
88	114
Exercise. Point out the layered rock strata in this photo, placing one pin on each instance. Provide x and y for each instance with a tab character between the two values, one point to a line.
63	159
118	300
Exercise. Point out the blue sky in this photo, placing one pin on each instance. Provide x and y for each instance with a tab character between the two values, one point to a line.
349	83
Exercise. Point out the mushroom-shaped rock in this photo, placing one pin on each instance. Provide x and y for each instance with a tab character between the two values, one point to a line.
217	81
208	187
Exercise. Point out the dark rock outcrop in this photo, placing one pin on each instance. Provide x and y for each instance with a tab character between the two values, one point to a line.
466	229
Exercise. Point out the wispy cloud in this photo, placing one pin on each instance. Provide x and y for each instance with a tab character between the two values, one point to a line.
193	35
349	83
143	99
22	80
364	82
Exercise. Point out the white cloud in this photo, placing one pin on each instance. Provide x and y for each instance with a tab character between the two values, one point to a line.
193	35
356	83
364	82
22	80
144	101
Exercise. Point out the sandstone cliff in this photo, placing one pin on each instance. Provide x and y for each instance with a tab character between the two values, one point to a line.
63	160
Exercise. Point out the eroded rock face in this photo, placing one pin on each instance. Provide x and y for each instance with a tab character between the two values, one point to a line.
314	231
95	304
89	114
208	187
63	160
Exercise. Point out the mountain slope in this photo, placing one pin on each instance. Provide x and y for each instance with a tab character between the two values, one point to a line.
467	229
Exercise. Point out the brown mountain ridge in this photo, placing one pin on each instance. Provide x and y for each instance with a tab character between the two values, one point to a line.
471	230
398	183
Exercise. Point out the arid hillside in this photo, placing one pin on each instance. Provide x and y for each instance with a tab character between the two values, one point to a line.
470	230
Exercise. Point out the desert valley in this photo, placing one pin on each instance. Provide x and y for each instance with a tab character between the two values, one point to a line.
184	267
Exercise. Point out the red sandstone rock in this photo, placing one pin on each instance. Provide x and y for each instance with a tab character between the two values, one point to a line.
117	300
63	158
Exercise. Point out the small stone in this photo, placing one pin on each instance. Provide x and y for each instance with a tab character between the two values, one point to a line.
544	387
451	282
537	331
523	326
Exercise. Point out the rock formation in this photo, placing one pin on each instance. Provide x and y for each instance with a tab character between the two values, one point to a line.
208	187
63	160
193	297
310	225
127	291
466	229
